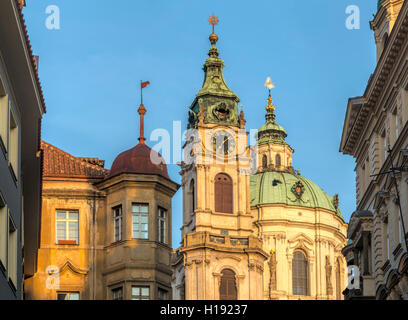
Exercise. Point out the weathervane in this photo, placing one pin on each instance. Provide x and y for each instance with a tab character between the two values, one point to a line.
270	85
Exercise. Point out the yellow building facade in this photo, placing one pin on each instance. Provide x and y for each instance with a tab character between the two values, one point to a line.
105	234
253	228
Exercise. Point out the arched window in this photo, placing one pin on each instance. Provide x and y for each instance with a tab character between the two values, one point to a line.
228	285
278	161
223	193
338	281
264	162
300	274
193	196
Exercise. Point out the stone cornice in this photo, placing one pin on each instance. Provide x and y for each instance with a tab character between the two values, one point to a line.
378	82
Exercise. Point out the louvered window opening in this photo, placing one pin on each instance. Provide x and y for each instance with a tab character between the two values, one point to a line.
223	194
228	286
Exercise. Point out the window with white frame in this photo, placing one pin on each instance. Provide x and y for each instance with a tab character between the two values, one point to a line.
162	225
140	293
68	296
12	252
3	233
3	120
13	149
67	225
140	221
117	222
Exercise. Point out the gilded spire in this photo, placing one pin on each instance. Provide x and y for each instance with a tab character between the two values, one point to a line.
213	20
271	132
270	108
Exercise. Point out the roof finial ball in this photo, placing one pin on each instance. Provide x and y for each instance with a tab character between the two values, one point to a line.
213	20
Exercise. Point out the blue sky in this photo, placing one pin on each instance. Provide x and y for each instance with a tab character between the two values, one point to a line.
91	69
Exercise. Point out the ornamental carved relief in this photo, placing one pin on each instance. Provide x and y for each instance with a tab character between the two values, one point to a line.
298	189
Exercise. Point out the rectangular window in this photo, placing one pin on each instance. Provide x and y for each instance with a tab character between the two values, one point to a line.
117	221
140	221
162	225
13	144
396	126
162	294
117	294
3	234
68	296
140	293
67	227
3	121
12	252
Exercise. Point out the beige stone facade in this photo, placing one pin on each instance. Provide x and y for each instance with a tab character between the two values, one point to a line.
375	133
253	228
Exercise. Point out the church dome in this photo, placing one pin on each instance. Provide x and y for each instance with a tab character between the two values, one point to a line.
285	188
139	160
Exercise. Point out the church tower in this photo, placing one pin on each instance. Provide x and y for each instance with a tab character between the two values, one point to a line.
220	257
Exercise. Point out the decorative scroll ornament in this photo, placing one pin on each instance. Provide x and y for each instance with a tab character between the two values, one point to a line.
298	190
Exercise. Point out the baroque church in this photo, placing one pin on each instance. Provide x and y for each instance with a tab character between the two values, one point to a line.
253	227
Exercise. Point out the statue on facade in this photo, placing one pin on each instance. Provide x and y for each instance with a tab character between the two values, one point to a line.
272	273
329	287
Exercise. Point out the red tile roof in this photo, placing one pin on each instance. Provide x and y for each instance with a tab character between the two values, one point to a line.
58	163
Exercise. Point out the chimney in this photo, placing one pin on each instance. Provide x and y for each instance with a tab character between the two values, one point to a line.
21	3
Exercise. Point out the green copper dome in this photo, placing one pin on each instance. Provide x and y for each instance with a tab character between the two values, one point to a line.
290	189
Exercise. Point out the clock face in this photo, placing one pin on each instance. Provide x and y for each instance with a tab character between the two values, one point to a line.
223	143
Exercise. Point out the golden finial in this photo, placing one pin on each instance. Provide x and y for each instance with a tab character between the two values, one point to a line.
270	85
213	20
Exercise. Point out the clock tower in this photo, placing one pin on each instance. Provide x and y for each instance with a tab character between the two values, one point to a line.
220	257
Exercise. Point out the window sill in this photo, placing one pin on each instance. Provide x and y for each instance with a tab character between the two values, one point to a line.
67	243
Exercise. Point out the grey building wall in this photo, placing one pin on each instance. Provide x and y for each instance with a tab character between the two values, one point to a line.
21	192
